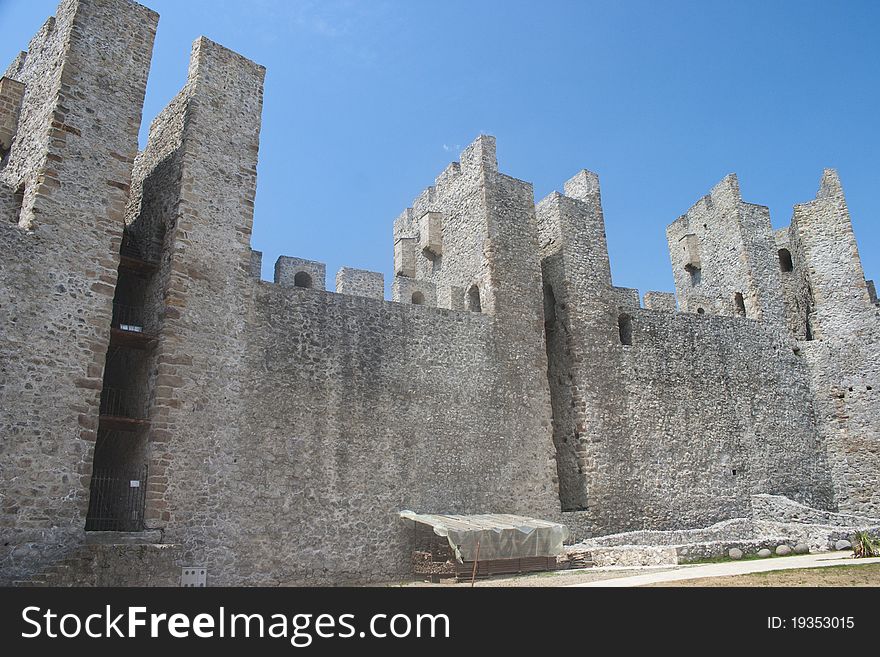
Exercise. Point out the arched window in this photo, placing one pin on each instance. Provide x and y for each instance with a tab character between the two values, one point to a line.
418	298
739	304
473	300
785	263
625	327
302	279
700	311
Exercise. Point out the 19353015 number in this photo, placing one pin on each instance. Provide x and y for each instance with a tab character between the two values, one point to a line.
811	623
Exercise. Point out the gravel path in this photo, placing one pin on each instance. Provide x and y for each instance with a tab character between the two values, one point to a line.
553	578
727	568
649	575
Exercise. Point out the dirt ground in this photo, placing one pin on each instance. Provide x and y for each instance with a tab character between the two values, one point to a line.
867	575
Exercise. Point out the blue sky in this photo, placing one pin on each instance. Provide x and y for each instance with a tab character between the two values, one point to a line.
366	102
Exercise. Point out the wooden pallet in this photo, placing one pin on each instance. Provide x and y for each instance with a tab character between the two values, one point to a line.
505	566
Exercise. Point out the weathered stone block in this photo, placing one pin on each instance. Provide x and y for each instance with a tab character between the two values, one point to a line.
690	247
583	186
451	296
297	272
360	283
431	234
405	257
414	291
256	264
664	301
626	296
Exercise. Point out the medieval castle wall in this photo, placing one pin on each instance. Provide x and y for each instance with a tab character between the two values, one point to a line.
281	427
664	419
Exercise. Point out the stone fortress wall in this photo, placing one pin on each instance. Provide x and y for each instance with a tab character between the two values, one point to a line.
281	427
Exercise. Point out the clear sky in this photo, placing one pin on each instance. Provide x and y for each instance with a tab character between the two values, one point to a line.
366	102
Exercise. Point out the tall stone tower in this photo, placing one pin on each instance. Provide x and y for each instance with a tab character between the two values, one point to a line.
831	311
64	185
723	260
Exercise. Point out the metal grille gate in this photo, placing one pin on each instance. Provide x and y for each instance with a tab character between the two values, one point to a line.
117	499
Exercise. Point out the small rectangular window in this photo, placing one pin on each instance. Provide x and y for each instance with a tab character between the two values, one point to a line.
624	326
18	204
785	263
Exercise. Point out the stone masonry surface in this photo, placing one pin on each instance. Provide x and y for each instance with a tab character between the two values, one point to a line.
161	407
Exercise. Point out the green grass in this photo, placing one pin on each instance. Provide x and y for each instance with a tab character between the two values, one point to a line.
839	576
841	571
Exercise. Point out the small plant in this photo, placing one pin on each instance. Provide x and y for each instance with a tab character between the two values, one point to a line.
865	545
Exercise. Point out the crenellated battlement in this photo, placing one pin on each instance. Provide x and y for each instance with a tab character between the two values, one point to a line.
445	244
728	260
721	256
475	161
507	374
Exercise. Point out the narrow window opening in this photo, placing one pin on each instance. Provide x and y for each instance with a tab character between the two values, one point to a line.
734	472
18	200
695	274
739	304
302	279
624	326
549	306
418	299
473	300
810	303
785	263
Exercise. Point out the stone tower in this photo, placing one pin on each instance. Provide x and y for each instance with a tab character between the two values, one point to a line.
64	184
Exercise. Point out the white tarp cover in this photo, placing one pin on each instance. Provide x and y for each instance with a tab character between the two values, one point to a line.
500	536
